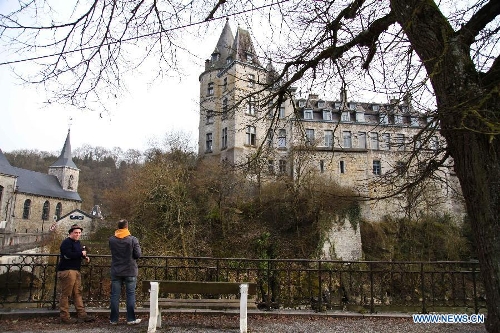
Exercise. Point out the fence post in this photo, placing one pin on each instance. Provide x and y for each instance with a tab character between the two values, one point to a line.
476	306
424	310
372	306
320	289
55	284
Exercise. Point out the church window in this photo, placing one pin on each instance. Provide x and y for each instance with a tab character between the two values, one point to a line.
46	210
26	209
58	210
70	182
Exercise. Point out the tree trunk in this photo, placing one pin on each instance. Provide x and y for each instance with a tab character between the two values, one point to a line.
469	112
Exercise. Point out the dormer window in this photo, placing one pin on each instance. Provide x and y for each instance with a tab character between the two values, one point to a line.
384	119
414	122
215	57
302	103
249	57
398	119
210	89
360	117
345	116
352	106
308	114
251	80
321	104
337	105
375	107
327	115
229	60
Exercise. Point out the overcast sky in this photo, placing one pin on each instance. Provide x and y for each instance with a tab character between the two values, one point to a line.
146	112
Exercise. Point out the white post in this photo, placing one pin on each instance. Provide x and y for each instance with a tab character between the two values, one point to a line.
243	307
154	313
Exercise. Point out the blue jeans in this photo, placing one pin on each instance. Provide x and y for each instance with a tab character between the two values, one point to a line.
116	288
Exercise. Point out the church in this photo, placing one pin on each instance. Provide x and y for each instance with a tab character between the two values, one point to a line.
31	202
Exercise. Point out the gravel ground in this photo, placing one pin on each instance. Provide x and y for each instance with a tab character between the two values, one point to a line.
196	323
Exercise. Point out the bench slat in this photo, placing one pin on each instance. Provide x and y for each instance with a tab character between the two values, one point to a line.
218	304
200	287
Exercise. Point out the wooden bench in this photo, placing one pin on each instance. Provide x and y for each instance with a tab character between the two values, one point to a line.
214	289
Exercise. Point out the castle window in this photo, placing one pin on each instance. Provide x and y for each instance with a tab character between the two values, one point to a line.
26	209
400	142
375	107
374	140
251	80
321	166
270	166
384	119
302	103
362	140
210	117
327	115
434	143
251	136
249	57
58	210
282	166
46	210
224	138
270	136
282	138
224	85
210	89
281	114
398	119
386	141
342	167
208	147
224	108
1	193
346	135
308	114
414	121
352	106
321	104
337	105
400	168
229	60
328	138
309	136
377	168
215	57
251	106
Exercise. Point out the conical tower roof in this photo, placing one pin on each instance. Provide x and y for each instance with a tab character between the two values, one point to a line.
65	159
223	47
242	49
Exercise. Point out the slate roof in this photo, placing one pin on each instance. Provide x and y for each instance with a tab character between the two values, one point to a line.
5	166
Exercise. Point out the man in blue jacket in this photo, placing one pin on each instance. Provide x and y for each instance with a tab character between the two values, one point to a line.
125	250
70	279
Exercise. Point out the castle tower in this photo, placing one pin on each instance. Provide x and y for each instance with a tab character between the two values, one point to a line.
65	169
229	93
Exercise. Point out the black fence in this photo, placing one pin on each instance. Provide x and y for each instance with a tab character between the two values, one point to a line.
320	285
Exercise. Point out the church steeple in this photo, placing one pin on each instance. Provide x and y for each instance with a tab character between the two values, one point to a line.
65	169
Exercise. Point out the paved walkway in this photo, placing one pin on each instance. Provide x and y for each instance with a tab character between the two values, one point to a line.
212	321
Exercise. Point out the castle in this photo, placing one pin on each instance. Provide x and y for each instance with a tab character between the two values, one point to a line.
352	143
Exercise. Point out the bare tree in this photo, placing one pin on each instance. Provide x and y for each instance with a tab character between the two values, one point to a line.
444	54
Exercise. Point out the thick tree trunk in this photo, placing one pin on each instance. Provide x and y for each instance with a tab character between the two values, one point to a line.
469	112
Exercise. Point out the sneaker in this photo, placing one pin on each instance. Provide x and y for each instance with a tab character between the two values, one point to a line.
68	321
113	322
134	322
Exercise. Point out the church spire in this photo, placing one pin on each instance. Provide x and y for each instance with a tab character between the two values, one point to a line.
65	159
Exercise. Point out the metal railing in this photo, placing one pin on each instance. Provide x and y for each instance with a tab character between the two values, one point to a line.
364	286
